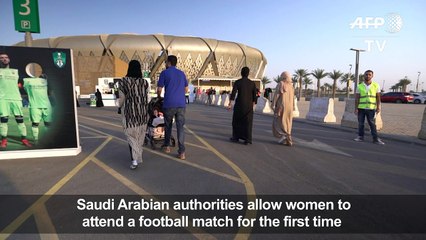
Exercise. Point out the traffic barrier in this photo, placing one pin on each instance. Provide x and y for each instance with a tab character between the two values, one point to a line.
199	98
226	100
204	98
422	132
296	112
217	99
213	99
222	100
321	109
263	105
350	120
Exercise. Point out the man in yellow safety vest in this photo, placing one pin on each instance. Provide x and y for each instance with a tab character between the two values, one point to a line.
367	104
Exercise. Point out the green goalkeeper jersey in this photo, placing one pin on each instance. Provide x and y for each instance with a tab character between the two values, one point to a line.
37	92
9	84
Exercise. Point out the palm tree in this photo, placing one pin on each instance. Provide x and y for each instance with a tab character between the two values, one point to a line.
360	78
319	74
265	80
346	78
307	81
335	75
395	87
403	83
294	80
326	87
301	73
278	79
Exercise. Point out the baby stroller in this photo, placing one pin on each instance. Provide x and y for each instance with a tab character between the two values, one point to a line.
155	132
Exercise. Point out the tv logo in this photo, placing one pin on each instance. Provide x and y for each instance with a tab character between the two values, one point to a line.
375	43
392	22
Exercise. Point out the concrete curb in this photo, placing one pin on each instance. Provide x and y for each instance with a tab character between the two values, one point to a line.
394	137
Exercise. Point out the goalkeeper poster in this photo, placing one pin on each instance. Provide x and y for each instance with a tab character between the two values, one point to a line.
38	115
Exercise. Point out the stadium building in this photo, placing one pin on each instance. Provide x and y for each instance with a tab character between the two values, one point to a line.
206	62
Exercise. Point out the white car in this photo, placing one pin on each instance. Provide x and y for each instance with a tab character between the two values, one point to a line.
419	98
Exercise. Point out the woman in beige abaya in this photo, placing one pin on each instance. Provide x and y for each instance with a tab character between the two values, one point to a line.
283	110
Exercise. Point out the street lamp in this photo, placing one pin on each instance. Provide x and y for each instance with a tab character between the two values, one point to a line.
356	66
417	85
348	81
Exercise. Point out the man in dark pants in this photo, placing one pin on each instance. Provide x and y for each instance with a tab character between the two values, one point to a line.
175	86
367	104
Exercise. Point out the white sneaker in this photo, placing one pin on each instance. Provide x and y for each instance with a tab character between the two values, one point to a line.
134	165
379	141
359	139
282	139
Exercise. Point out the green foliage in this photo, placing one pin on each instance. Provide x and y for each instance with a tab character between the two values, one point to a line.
301	73
278	79
335	75
319	74
346	77
265	80
404	83
307	81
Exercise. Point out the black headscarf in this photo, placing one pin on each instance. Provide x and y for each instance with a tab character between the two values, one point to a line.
245	71
134	69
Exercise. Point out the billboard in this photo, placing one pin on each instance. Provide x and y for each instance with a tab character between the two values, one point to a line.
37	103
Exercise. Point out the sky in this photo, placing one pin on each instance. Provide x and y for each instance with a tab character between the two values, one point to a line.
291	34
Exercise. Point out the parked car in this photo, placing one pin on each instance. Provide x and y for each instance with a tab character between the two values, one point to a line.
419	98
397	97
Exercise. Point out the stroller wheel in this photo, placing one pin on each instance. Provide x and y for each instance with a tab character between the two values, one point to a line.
153	145
173	142
146	140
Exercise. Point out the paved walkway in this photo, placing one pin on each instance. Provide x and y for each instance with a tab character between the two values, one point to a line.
324	161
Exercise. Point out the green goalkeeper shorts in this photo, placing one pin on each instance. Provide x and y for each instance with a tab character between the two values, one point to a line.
39	114
10	108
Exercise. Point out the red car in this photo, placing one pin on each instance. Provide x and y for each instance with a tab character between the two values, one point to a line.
397	97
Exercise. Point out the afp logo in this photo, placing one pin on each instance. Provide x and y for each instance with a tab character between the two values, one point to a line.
392	23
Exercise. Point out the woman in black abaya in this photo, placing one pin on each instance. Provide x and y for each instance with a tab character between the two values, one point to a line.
242	119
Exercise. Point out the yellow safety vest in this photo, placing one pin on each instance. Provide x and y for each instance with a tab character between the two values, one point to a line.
367	99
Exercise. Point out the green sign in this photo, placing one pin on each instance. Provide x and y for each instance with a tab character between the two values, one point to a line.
146	74
59	59
26	16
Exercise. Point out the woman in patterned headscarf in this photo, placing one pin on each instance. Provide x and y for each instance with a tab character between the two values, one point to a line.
283	109
133	101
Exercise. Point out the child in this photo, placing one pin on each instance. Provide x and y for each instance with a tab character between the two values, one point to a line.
158	131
